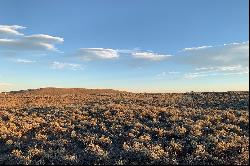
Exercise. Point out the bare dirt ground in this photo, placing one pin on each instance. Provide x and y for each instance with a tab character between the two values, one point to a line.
80	126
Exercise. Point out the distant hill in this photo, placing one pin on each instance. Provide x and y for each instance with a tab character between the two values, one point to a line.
63	91
76	91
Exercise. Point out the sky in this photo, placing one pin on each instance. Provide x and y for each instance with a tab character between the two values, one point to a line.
132	45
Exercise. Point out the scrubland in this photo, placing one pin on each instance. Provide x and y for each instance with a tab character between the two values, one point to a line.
80	126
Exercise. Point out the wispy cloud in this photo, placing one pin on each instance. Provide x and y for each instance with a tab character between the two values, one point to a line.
88	54
16	41
24	61
220	60
196	48
174	72
10	30
27	44
217	71
234	68
221	55
169	73
237	73
162	74
44	38
63	65
236	43
150	56
204	68
195	75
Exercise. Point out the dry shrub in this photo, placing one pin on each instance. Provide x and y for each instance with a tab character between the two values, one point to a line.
107	127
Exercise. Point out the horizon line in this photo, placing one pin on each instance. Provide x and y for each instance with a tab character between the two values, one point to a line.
123	90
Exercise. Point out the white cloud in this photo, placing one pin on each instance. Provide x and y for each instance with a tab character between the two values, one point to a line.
230	68
44	38
217	71
194	75
204	68
126	51
35	42
24	61
196	48
235	43
162	74
6	30
169	73
61	65
174	72
26	44
150	56
237	73
89	54
233	68
221	55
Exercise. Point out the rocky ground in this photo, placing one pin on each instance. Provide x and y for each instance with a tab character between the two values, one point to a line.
80	126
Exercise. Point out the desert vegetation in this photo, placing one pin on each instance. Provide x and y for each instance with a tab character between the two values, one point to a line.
80	126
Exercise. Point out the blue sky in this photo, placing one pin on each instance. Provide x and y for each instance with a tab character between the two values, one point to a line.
141	46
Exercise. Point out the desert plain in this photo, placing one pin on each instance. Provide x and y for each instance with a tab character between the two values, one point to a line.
104	126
